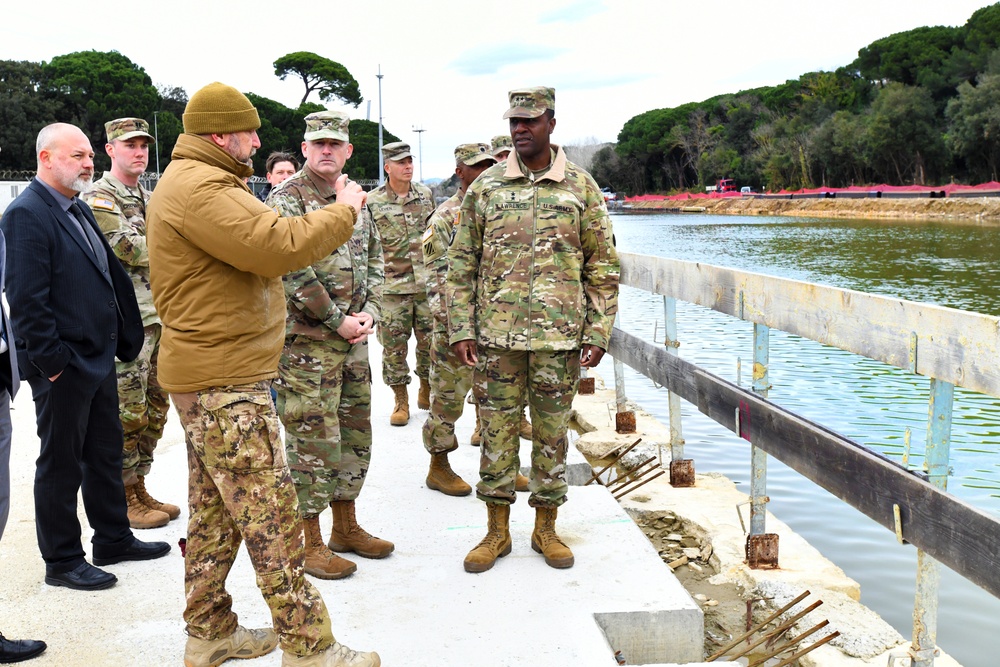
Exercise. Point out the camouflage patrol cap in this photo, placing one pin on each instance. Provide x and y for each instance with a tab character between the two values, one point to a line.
501	143
470	154
530	102
327	125
396	151
126	128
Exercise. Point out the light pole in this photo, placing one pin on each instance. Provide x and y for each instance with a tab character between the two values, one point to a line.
381	166
156	140
420	149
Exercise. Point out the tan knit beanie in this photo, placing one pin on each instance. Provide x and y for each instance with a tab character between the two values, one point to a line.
219	109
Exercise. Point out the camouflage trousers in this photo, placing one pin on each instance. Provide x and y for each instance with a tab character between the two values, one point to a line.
503	380
239	489
142	407
325	403
450	381
401	314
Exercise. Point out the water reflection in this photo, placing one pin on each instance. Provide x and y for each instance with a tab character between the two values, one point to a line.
945	263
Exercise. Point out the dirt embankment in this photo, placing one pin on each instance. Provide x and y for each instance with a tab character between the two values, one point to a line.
979	209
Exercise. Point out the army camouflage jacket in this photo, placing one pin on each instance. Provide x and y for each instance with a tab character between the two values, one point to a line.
348	280
437	237
216	257
401	222
121	214
533	265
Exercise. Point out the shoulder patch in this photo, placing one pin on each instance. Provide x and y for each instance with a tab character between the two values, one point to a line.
102	204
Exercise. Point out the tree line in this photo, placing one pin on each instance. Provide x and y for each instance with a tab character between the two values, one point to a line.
916	107
89	88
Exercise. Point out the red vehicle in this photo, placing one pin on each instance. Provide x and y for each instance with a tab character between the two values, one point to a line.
726	185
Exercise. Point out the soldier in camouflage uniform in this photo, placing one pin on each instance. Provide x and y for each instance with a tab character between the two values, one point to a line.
501	146
400	209
119	204
324	379
533	289
450	379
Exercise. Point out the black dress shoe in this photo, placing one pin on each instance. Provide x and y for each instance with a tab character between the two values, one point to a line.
138	550
85	577
16	650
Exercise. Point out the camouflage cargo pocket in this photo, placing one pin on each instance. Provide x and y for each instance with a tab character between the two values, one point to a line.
300	375
241	431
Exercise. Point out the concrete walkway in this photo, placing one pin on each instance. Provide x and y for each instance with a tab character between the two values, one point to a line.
417	607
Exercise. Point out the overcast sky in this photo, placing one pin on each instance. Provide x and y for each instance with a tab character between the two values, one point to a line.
447	65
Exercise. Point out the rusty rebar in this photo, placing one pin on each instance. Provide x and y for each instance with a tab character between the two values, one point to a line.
619	496
634	471
795	656
786	646
596	476
757	627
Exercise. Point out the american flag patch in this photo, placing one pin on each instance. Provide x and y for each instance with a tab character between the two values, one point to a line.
102	204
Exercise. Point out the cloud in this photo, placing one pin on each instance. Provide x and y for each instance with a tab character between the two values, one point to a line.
574	12
591	81
490	60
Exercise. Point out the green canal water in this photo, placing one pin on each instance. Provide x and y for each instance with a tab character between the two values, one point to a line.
951	264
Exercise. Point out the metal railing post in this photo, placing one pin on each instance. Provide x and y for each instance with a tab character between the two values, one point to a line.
624	418
925	607
762	547
673	400
758	457
681	469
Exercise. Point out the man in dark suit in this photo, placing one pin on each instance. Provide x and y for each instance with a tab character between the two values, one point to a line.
74	310
11	650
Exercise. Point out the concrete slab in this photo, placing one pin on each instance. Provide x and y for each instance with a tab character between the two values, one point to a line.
417	607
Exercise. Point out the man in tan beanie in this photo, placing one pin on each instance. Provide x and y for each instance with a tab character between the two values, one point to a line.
216	258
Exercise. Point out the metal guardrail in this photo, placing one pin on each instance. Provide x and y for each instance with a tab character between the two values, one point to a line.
951	347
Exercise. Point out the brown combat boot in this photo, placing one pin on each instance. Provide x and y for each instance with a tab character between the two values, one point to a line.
525	429
243	643
477	433
140	516
349	536
521	483
497	542
442	478
336	655
172	511
545	541
320	561
401	412
424	395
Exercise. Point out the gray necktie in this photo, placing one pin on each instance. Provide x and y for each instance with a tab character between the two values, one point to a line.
95	242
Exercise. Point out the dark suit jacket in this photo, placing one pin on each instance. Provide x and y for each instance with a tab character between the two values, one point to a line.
9	377
66	312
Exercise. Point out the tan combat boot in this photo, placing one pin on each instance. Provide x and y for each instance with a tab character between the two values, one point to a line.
337	655
242	643
172	511
521	483
525	429
424	395
497	542
349	536
140	516
477	433
401	412
320	561
545	541
442	478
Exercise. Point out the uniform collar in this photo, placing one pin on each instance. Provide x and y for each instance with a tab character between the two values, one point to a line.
324	189
556	172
